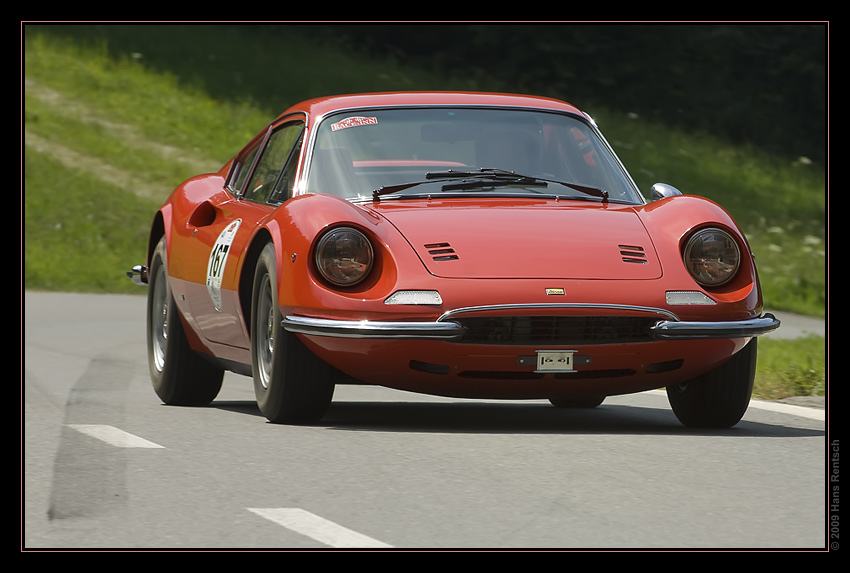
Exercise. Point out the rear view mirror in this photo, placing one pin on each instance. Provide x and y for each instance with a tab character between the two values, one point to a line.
662	191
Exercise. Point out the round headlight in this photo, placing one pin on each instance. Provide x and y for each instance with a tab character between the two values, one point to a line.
712	257
344	256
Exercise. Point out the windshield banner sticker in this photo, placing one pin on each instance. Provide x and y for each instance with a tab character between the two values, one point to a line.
353	122
218	259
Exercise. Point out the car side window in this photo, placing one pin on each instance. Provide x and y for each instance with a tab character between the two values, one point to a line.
273	177
242	169
286	182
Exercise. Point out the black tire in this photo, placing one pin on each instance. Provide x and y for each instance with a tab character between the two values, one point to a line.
585	402
717	399
292	385
180	376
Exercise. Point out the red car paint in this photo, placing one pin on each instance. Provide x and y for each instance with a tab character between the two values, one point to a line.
496	254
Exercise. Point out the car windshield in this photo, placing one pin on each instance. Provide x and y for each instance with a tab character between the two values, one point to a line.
398	153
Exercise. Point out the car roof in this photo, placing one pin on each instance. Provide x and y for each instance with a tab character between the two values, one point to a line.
321	106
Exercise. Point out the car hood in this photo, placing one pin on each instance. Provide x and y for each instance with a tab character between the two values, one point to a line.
514	239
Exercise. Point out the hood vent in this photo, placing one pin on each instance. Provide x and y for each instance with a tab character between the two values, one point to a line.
632	254
441	252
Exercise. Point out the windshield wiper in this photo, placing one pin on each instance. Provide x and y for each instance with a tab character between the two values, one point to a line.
503	174
486	177
376	194
494	181
468	183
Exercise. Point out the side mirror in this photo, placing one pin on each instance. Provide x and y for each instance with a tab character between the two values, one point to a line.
662	191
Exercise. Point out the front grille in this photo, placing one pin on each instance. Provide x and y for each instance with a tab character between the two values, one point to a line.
561	330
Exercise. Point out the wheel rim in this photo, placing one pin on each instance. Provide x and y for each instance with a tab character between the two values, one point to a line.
265	332
159	319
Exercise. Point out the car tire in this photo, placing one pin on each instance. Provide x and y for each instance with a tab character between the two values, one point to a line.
180	376
292	385
585	402
717	399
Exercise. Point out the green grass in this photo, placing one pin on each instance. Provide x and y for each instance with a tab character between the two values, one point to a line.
113	122
791	368
80	234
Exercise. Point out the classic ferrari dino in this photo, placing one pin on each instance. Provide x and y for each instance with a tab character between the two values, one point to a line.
457	244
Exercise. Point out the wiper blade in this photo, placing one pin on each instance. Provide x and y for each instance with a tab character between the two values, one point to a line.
486	177
472	180
478	183
467	184
376	194
482	172
594	191
504	175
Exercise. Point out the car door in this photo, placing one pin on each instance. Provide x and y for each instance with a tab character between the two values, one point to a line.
261	179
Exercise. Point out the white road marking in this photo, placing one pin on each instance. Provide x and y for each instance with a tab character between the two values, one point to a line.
113	436
317	528
803	411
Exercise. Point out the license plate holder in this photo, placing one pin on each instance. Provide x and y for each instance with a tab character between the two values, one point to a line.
555	361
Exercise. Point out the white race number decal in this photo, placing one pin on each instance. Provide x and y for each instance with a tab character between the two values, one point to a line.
218	260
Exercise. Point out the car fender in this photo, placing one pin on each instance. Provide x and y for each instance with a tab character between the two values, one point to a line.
671	221
294	229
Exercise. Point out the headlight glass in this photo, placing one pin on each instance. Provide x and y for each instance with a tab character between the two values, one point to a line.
344	256
712	257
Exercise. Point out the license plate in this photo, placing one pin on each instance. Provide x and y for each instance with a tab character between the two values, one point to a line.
555	361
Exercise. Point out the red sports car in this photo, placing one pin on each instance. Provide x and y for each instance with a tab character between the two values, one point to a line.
457	244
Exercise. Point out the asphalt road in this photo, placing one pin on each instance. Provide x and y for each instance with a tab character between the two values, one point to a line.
106	465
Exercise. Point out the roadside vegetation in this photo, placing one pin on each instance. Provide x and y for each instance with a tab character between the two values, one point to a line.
107	135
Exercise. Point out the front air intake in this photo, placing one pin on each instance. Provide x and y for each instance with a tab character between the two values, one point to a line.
556	330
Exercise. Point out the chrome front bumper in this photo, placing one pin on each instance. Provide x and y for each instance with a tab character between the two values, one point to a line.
682	330
373	329
446	329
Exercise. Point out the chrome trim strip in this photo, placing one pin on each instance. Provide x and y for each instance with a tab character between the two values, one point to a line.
372	329
556	306
682	330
